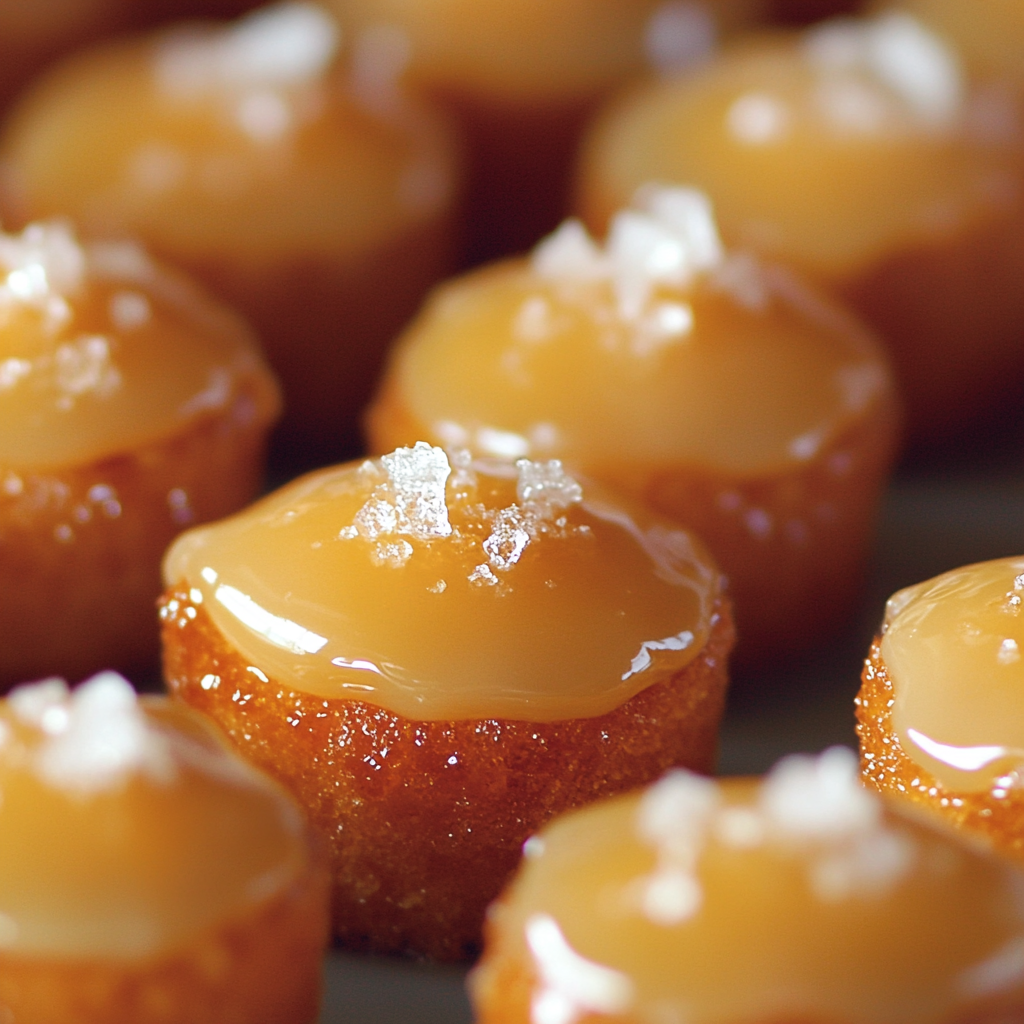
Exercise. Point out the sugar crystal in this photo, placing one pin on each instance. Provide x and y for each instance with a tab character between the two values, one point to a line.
418	476
546	485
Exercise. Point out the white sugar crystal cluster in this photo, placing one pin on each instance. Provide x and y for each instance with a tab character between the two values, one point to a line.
40	267
666	240
543	490
815	808
94	738
820	805
279	45
408	504
894	50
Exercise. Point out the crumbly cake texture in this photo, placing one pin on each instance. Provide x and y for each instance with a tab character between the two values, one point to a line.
70	535
424	820
996	817
265	967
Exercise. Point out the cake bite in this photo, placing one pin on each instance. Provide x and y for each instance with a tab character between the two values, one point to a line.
939	707
131	406
522	77
715	388
147	875
436	656
857	153
801	897
308	193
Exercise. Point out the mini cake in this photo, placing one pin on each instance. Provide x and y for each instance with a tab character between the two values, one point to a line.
989	35
721	392
522	78
437	660
799	898
855	153
131	406
147	875
939	707
318	205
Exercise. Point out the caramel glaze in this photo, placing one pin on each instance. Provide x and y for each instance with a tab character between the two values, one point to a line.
997	817
424	820
918	226
522	79
703	430
584	930
96	929
322	210
937	710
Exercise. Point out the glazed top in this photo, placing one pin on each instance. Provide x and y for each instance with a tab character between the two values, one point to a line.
444	589
952	650
828	150
797	898
103	352
242	139
128	828
543	53
659	347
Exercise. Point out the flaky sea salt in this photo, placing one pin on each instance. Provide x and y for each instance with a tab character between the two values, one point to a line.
899	53
278	45
94	738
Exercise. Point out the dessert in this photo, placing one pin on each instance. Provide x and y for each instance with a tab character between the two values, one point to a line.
798	898
131	406
522	77
719	390
147	875
856	153
938	711
317	203
438	656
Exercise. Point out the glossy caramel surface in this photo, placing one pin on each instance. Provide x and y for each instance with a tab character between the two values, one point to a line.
127	828
952	651
829	150
102	352
239	139
449	593
542	53
798	898
584	352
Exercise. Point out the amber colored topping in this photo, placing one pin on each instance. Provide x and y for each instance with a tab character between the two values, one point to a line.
128	829
799	898
659	348
424	821
829	150
102	352
479	592
952	649
542	52
988	34
211	140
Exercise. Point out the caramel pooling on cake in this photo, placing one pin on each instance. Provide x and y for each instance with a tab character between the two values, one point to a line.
445	589
952	651
801	897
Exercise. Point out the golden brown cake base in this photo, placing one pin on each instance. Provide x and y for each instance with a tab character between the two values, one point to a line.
80	548
425	820
884	764
264	969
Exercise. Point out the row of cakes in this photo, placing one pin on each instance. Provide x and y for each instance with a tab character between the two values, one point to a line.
472	526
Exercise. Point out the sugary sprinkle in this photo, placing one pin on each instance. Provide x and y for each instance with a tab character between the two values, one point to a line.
95	737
